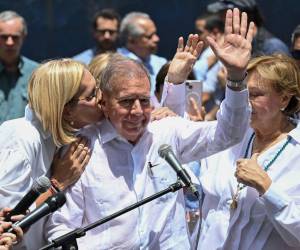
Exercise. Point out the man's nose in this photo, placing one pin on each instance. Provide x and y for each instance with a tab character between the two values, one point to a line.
107	34
155	38
9	41
137	108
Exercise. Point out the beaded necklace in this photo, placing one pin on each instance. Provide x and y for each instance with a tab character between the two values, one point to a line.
240	186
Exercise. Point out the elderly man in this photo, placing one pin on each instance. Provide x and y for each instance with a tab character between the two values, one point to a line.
15	69
106	24
125	166
140	40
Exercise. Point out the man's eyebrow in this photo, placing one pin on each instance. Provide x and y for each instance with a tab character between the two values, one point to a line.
132	97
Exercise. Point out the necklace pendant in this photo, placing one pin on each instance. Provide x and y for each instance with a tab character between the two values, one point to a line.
233	204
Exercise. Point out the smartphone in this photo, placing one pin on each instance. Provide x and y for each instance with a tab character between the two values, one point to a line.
193	89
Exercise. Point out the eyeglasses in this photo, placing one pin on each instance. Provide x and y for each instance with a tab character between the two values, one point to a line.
96	94
128	102
15	38
150	36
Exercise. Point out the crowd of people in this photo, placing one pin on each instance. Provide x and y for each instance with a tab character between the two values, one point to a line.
94	125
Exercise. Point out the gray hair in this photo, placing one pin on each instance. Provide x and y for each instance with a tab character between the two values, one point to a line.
119	65
129	26
9	15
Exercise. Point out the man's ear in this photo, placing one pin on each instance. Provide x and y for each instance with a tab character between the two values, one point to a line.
285	100
67	114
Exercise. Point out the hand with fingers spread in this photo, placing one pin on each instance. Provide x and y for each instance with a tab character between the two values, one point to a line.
235	51
196	114
159	113
67	168
184	59
251	174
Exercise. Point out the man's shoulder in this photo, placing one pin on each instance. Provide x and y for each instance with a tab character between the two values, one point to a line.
18	131
167	124
85	56
274	44
158	59
29	63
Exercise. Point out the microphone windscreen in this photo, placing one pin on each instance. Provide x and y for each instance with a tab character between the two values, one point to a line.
41	185
163	150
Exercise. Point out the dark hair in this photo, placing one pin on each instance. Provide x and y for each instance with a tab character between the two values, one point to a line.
106	14
295	34
214	22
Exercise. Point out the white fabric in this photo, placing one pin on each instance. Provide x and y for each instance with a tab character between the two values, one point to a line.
118	175
26	153
271	221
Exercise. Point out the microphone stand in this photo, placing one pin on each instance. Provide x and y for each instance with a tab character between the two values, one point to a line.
68	240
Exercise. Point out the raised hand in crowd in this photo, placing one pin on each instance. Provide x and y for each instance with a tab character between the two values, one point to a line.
235	51
184	59
196	114
7	240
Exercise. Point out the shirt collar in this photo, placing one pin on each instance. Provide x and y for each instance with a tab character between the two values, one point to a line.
20	66
31	116
125	52
295	133
108	132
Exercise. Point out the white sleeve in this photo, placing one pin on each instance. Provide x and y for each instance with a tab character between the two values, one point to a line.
69	216
15	176
196	140
173	97
283	210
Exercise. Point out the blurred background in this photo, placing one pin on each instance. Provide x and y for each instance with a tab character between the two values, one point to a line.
62	28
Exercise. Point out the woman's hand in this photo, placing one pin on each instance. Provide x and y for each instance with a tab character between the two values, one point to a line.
67	168
251	174
235	51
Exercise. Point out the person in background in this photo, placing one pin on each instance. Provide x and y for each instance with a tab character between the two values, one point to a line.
264	43
15	69
105	27
139	39
63	98
8	240
295	44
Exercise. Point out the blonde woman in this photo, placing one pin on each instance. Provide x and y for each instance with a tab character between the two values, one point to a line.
63	97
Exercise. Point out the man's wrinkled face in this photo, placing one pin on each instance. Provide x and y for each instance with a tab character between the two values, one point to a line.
106	34
11	39
128	106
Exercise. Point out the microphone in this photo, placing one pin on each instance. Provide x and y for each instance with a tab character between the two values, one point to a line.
165	151
50	205
41	185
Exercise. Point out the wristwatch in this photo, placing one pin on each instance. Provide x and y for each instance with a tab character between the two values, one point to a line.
240	84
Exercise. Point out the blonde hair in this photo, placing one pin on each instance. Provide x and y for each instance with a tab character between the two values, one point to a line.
52	85
98	64
282	72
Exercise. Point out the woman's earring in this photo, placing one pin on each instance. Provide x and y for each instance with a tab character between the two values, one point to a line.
72	123
282	109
